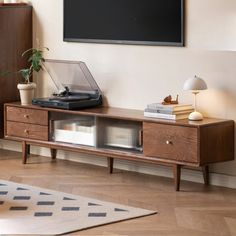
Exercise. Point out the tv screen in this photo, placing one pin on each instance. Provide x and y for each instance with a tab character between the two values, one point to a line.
149	22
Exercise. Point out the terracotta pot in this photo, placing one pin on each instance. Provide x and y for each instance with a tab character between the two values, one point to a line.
26	93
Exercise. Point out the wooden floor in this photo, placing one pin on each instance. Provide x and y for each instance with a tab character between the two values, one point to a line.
194	211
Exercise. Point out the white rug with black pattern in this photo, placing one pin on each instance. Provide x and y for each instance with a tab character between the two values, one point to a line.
26	210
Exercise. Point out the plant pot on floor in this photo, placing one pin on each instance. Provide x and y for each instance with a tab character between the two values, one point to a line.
26	93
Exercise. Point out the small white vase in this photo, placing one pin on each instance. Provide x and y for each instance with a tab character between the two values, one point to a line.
26	93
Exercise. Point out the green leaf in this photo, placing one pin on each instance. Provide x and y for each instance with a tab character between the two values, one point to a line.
25	73
35	59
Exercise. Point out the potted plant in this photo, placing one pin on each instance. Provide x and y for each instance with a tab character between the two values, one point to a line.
26	88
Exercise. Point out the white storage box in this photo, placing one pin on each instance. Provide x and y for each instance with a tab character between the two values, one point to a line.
75	132
123	136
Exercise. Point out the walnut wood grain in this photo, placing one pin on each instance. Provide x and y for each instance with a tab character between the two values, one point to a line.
25	154
205	171
28	150
28	116
217	143
125	114
100	136
53	153
24	130
101	152
110	162
170	142
177	176
15	38
176	144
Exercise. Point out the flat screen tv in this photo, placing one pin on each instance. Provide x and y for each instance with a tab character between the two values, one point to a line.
148	22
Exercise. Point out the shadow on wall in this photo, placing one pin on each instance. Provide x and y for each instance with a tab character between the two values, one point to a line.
220	103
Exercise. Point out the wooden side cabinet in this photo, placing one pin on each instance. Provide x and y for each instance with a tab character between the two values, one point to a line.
15	38
122	134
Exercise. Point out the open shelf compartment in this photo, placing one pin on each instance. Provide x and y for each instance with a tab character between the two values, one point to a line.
119	134
73	129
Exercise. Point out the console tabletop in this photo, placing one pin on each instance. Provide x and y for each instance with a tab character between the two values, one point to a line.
118	133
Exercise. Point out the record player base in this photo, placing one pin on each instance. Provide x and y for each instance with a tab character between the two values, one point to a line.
132	136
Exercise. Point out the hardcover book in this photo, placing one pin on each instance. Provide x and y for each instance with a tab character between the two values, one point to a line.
166	116
169	112
171	107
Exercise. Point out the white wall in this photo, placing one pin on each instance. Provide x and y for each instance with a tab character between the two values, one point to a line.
132	76
211	24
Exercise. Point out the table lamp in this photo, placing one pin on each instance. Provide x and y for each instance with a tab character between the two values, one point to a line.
195	84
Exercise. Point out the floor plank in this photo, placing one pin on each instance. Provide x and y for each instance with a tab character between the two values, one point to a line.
196	210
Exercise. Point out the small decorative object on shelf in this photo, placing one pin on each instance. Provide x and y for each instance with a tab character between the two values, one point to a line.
168	100
195	84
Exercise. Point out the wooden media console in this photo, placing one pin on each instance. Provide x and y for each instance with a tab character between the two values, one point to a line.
122	134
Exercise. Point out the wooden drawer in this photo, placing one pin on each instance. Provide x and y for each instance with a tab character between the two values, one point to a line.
171	142
23	130
31	116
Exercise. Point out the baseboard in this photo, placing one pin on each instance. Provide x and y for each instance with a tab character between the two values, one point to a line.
216	179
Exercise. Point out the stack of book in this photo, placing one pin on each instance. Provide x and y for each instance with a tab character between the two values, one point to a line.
170	112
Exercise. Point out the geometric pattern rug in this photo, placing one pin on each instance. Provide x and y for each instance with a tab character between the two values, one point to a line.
26	210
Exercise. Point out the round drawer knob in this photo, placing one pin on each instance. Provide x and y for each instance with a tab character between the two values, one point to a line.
168	142
26	131
26	116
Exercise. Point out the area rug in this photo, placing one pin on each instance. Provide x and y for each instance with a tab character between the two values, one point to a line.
26	210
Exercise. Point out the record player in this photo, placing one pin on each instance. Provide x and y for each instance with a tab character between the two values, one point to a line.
76	87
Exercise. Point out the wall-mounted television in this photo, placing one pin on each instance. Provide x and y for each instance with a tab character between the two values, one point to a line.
148	22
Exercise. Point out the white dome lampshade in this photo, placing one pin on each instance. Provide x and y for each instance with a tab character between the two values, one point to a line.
195	84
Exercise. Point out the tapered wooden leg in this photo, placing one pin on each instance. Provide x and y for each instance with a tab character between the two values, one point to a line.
25	149
28	150
177	175
110	162
53	153
205	172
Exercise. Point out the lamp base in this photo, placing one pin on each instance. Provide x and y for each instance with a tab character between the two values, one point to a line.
195	116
